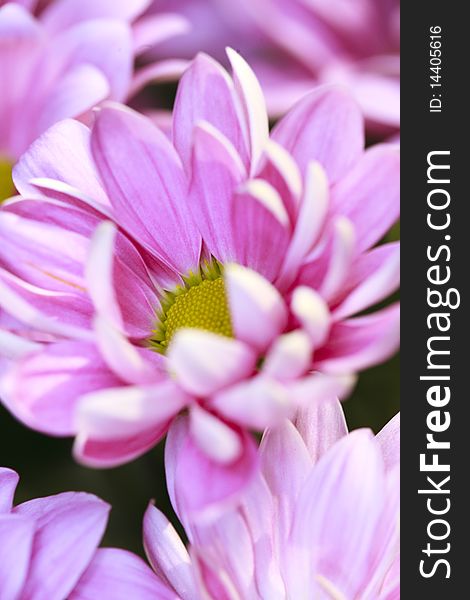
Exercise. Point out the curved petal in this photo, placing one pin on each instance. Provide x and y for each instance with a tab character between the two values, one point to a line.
107	453
205	362
321	425
257	310
145	181
120	413
68	529
216	172
313	314
44	387
309	222
388	439
260	223
8	482
205	93
219	441
289	357
285	464
189	470
340	507
369	196
327	127
361	342
16	541
63	154
373	276
258	403
120	575
168	555
253	106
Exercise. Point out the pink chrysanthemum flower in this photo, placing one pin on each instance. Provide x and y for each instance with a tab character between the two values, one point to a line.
224	273
293	45
73	55
320	520
49	550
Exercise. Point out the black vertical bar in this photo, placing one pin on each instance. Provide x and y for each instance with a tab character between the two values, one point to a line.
424	246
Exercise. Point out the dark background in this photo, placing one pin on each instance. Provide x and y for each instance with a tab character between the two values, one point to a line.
46	465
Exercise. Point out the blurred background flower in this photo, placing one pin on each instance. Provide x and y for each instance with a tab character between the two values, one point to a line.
67	59
293	45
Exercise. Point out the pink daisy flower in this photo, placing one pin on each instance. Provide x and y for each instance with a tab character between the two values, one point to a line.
320	520
293	45
74	54
222	273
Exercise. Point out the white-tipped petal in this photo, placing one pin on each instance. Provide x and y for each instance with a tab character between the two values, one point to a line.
257	309
313	313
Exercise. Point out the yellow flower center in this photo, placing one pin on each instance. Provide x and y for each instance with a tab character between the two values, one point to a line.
200	303
7	188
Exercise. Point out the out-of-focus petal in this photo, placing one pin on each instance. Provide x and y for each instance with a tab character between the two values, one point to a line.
68	529
205	362
257	310
167	554
120	575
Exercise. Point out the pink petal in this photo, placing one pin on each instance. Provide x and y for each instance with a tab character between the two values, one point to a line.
319	387
280	170
206	93
388	439
106	453
308	224
321	425
257	403
361	342
163	71
340	508
260	223
289	357
8	482
327	127
56	313
216	173
167	554
156	28
374	276
46	386
99	273
108	47
68	12
257	310
121	413
329	265
204	362
285	464
136	161
201	486
369	195
253	106
217	440
313	314
120	575
77	91
16	540
69	527
62	154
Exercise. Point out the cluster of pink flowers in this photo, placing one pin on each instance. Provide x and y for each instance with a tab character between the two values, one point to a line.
320	520
202	277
